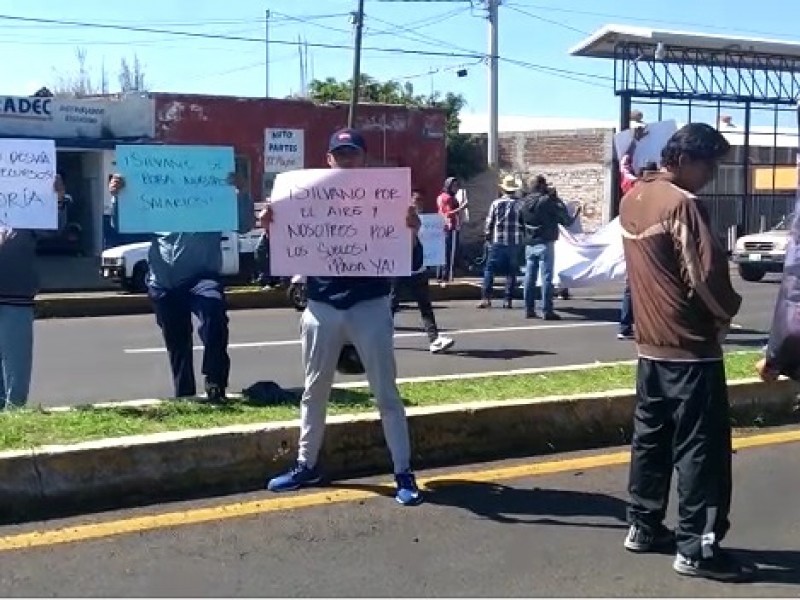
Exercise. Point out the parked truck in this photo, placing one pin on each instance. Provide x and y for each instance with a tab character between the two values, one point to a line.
127	264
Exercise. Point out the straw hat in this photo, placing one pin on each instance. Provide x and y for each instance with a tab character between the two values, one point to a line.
509	184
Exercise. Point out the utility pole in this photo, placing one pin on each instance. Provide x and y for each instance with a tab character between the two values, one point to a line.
354	92
493	141
266	55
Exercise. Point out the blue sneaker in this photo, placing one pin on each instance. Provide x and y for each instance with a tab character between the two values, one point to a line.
297	477
408	493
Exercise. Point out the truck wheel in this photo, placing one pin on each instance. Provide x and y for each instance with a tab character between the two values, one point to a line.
751	273
137	284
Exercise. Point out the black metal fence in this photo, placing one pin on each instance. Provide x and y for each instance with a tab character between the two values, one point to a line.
764	212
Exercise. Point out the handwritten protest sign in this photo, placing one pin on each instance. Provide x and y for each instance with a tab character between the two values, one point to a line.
27	173
284	150
341	223
431	236
176	189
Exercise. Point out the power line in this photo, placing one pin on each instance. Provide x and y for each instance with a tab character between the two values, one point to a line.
224	37
550	21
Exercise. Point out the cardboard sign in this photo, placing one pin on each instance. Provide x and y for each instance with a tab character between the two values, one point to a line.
432	238
341	223
284	150
27	174
648	149
180	189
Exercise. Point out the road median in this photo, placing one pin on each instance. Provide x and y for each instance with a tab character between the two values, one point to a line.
217	451
105	304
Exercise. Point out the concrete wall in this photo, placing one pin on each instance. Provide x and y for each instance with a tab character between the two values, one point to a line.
577	162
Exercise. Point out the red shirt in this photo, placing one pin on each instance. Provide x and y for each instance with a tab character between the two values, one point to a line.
446	203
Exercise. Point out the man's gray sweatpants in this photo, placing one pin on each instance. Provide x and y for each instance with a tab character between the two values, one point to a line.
16	354
369	327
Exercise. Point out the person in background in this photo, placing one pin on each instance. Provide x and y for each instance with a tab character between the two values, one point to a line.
356	310
680	277
184	279
542	214
19	282
503	233
628	180
417	284
626	320
449	207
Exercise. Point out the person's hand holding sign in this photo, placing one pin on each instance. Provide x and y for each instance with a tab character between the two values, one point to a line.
265	216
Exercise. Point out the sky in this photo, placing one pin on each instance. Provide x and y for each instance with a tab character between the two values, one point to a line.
538	33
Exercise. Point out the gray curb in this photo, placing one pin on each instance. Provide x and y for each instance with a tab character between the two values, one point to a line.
58	480
105	305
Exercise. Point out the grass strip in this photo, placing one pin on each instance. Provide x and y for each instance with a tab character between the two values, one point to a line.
32	427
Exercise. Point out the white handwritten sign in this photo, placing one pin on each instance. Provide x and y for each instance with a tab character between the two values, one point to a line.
27	173
284	150
341	223
649	147
431	236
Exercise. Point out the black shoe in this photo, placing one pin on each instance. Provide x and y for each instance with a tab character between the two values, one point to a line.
643	540
507	304
721	567
531	314
551	316
215	394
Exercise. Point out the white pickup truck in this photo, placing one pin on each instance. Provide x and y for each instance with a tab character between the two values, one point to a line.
127	264
760	253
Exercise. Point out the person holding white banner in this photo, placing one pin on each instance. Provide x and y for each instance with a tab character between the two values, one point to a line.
356	310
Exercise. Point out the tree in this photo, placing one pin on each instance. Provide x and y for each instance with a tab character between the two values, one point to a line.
82	83
464	152
131	80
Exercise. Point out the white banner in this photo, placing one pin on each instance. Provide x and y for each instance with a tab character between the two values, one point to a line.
27	174
590	260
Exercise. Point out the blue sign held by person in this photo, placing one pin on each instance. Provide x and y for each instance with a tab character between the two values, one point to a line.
178	189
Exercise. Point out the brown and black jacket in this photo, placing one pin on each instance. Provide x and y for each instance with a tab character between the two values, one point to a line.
683	299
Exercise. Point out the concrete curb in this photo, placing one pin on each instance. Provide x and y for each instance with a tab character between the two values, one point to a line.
106	305
112	473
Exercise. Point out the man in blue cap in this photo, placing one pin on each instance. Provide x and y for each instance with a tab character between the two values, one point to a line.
355	310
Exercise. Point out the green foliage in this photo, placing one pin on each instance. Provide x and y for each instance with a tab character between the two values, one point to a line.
465	153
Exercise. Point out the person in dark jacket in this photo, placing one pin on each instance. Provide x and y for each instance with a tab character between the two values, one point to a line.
19	282
184	278
356	310
542	213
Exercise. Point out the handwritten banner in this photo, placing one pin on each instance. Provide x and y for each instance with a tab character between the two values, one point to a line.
27	174
341	223
431	236
179	189
284	150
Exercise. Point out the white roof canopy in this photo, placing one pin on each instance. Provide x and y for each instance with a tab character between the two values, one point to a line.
601	44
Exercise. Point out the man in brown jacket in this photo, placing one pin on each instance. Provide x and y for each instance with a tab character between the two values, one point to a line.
683	303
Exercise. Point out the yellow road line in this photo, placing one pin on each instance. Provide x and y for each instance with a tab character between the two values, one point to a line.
195	516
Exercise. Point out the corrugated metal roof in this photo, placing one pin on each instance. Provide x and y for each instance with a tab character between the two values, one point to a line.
601	44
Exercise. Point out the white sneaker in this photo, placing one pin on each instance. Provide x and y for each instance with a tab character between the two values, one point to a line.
440	344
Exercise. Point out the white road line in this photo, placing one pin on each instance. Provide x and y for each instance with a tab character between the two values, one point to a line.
296	342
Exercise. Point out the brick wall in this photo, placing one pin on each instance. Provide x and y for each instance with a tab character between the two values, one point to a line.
578	163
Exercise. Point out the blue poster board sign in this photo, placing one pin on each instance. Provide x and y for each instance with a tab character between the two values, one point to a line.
178	189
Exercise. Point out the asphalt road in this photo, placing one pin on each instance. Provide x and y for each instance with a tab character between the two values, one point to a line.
542	527
122	358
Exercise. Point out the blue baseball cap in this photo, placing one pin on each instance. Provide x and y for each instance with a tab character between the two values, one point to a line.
350	138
